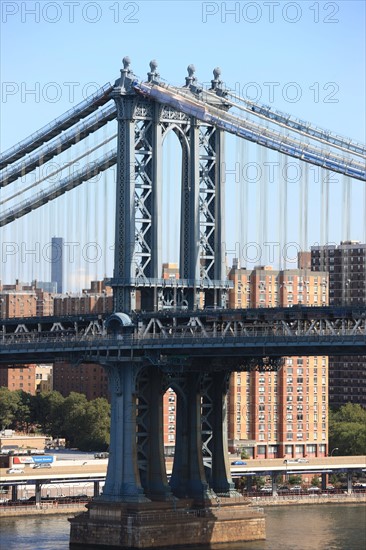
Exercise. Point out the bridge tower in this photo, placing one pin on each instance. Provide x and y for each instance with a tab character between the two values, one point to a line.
138	507
143	125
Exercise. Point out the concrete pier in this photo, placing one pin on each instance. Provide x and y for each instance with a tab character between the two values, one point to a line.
167	524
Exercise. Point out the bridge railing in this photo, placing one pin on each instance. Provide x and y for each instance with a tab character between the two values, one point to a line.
30	340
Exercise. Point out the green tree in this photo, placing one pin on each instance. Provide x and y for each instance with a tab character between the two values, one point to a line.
96	426
23	416
73	413
295	480
259	481
9	403
315	481
347	430
51	409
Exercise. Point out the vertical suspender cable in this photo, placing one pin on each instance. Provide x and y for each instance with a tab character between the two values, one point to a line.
306	205
346	208
364	217
282	180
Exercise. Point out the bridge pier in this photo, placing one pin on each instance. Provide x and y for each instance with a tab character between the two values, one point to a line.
138	508
188	476
123	481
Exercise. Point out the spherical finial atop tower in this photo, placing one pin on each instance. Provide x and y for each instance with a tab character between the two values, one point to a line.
153	65
191	70
152	75
126	63
216	83
216	73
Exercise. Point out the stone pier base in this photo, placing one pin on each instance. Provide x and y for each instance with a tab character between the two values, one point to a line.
173	524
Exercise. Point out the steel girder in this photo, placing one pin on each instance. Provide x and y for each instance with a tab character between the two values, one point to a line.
142	126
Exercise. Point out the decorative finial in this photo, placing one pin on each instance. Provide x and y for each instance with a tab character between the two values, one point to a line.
153	65
127	76
153	76
191	70
216	83
190	79
216	72
126	63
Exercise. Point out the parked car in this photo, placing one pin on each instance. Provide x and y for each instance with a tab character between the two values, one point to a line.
283	489
266	489
313	490
15	471
43	465
238	463
295	489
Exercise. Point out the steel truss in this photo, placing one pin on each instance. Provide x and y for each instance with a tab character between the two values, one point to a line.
142	127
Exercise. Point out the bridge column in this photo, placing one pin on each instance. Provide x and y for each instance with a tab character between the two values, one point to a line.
249	484
188	475
349	482
96	489
221	476
150	435
14	492
122	481
189	263
38	489
324	481
274	476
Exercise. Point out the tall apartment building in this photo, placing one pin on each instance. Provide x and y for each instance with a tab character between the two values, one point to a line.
24	300
346	265
96	299
21	300
21	377
57	253
90	379
281	414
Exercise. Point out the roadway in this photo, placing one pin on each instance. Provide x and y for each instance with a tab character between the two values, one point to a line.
90	469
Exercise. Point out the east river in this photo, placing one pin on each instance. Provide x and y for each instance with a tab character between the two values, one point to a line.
311	527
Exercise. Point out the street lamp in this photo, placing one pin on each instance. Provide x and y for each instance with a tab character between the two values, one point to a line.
335	449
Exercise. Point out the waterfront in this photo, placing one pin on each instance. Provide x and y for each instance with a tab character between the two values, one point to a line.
311	527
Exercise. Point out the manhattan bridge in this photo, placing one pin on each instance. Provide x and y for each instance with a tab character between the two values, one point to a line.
175	333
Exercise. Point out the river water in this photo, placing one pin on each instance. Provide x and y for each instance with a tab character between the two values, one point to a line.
311	527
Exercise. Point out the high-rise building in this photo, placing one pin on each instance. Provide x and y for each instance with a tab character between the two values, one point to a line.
284	413
24	300
88	378
57	246
96	299
346	265
21	377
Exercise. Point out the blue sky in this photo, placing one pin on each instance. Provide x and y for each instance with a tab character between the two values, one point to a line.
310	55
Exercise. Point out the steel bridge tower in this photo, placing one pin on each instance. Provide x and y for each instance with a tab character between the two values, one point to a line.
142	127
136	482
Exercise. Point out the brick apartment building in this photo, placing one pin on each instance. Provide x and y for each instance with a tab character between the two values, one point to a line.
346	265
23	300
281	414
271	414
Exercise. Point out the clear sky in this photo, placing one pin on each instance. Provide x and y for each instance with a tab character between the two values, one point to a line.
306	58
